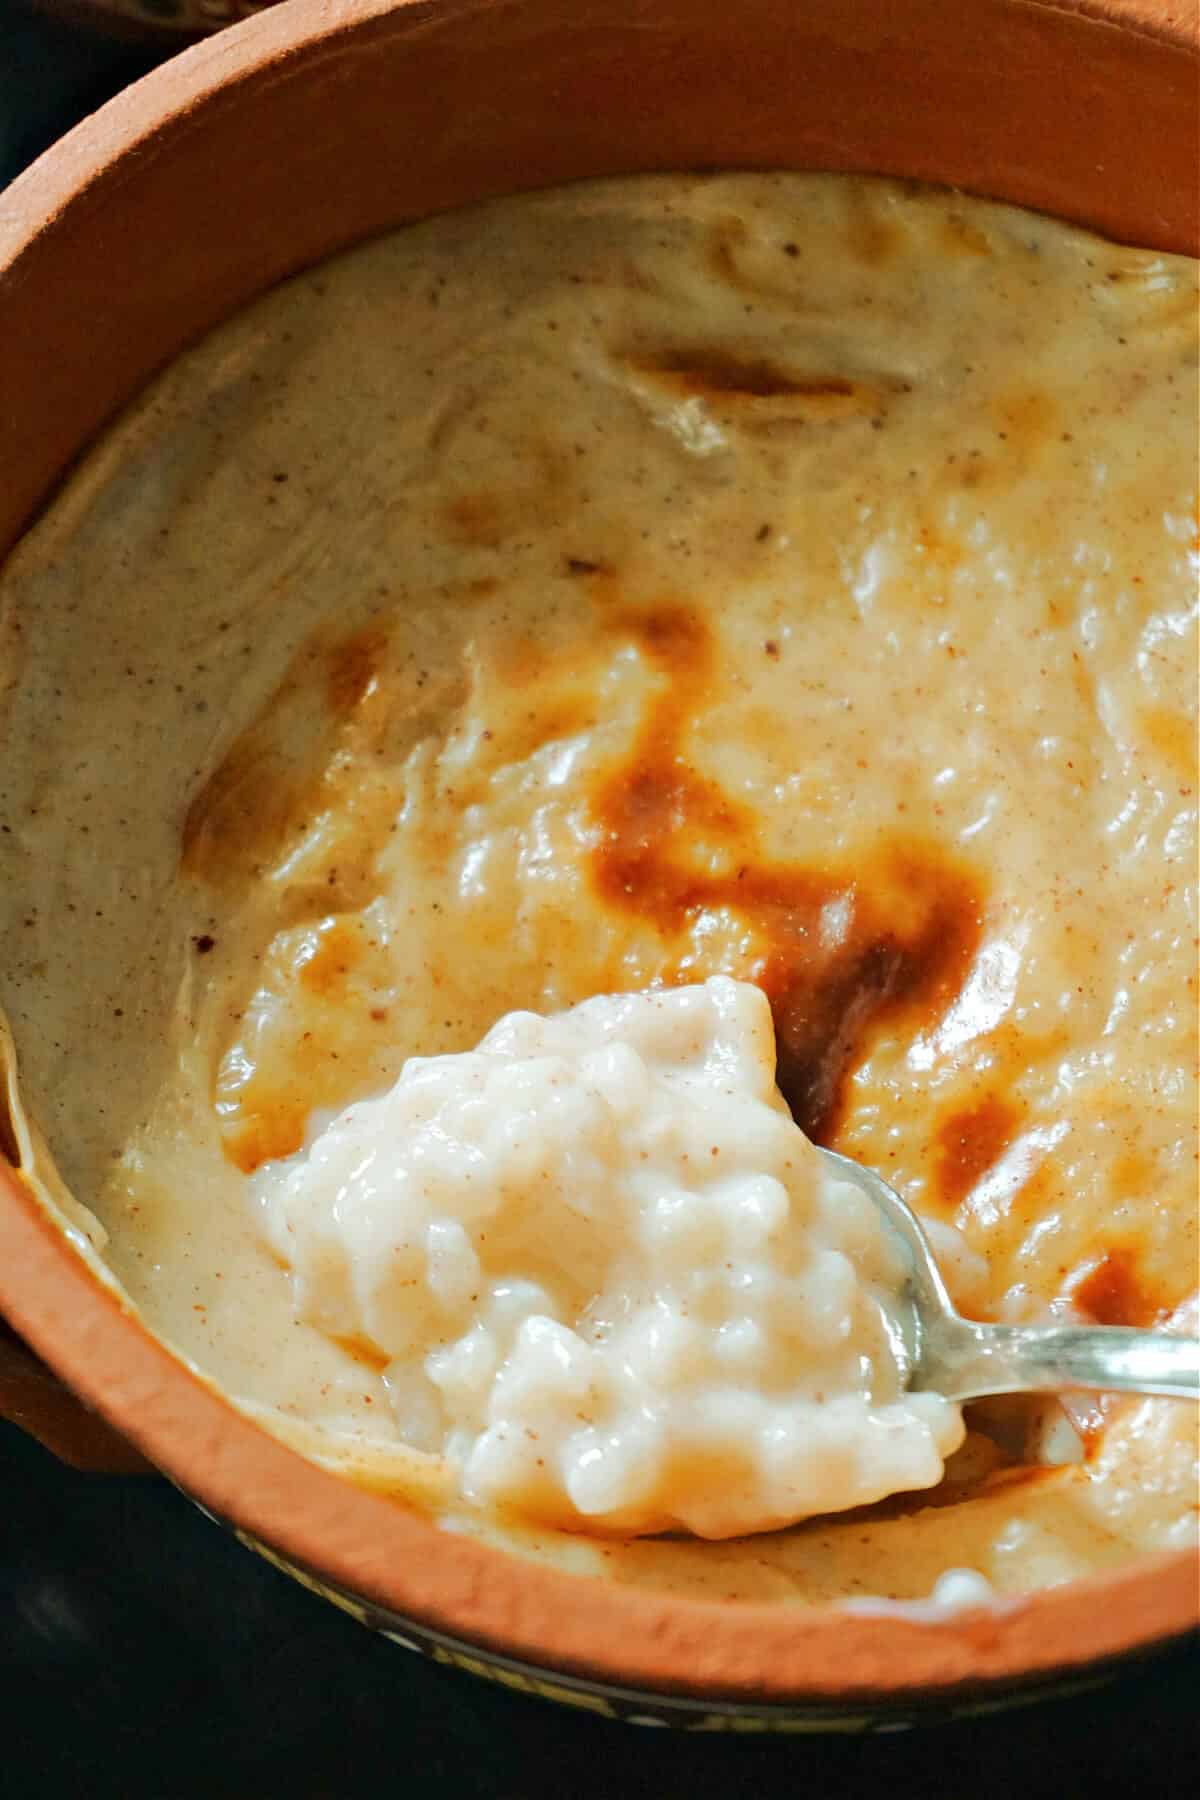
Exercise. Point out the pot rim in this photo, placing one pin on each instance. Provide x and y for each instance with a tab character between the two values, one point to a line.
279	34
383	1550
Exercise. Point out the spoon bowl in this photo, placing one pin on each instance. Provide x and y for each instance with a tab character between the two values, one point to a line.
963	1359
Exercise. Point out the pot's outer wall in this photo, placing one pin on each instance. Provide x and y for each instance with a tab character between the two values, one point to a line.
300	131
310	127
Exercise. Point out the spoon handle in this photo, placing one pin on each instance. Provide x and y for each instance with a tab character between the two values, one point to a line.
966	1360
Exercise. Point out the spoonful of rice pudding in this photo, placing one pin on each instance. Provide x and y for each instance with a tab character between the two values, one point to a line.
619	1290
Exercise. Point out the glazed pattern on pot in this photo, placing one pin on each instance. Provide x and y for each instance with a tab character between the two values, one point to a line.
781	577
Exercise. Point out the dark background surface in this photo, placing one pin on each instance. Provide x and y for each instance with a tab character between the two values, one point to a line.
143	1653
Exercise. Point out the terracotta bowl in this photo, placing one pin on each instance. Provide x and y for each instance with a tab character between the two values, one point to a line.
333	119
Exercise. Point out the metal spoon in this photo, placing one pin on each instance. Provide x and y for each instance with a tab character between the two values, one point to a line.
964	1360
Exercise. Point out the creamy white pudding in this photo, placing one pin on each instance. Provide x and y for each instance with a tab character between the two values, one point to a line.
613	1280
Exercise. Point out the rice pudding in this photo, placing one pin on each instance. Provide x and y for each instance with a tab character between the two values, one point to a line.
785	578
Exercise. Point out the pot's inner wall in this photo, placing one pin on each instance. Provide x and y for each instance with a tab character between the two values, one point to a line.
263	150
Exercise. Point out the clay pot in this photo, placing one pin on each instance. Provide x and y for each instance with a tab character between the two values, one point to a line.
333	119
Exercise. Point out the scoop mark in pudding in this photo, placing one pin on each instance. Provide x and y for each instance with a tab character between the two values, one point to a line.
839	951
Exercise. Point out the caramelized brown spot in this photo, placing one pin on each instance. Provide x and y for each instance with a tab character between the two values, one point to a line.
336	953
759	392
351	666
266	1135
839	951
718	371
366	1355
914	926
969	1142
1113	1292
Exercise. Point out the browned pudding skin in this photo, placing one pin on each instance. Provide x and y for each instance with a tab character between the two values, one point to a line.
913	921
673	842
909	920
